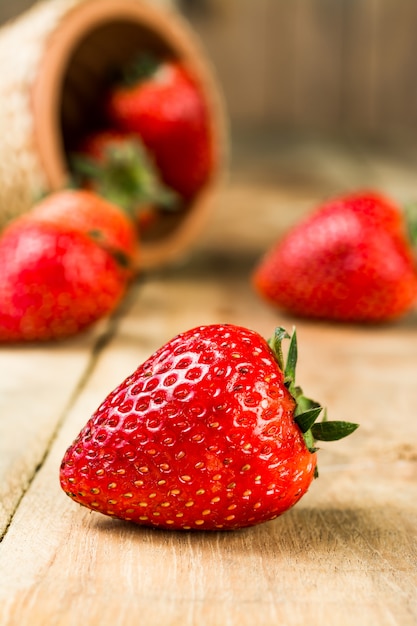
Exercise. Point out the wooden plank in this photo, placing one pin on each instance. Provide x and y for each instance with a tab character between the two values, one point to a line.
281	82
352	536
395	93
360	67
379	67
234	38
308	563
318	64
279	62
36	385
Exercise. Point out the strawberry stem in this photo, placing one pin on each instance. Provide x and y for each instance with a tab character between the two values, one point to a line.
275	343
292	357
307	410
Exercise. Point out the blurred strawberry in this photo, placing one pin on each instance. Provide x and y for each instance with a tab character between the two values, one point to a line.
94	216
161	102
350	260
63	266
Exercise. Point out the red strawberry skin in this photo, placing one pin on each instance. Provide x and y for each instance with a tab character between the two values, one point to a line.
348	261
200	436
88	213
171	117
54	282
96	144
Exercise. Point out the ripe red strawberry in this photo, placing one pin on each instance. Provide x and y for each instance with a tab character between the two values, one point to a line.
350	260
165	107
64	266
209	433
92	215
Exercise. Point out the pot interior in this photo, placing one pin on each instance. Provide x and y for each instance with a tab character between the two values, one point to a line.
91	67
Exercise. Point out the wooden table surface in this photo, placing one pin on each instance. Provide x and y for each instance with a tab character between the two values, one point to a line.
346	554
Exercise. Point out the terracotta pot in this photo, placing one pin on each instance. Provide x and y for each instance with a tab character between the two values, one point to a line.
53	60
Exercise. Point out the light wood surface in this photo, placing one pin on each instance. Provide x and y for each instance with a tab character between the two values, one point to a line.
345	555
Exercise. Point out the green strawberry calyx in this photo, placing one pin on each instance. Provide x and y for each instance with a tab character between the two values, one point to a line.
127	177
143	67
307	410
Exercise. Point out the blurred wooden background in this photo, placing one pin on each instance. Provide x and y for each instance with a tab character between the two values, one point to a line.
338	67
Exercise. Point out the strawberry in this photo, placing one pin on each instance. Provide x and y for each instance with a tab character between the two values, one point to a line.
350	261
117	166
64	266
210	432
92	215
162	104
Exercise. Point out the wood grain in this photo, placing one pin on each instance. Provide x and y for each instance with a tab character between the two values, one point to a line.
36	386
340	68
345	555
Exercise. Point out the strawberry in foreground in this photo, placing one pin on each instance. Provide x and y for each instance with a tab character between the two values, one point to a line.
161	103
210	432
64	266
350	260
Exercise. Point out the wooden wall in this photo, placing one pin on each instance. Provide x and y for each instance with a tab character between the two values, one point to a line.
337	66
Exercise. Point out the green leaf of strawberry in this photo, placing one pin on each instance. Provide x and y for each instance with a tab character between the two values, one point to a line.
331	431
306	419
306	410
203	435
